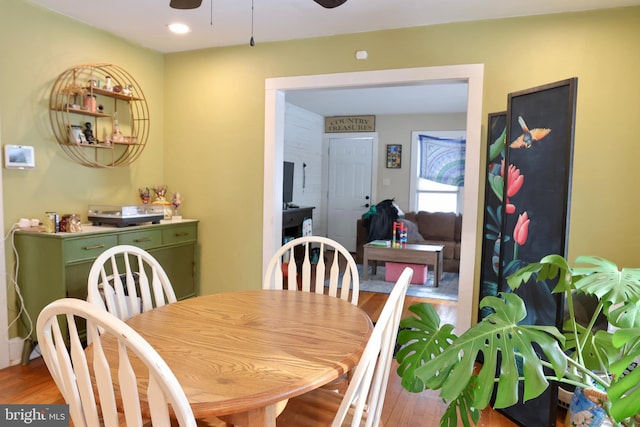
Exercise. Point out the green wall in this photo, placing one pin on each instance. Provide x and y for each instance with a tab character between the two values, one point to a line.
207	118
214	110
36	45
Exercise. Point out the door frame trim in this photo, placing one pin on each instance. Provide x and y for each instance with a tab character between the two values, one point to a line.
472	74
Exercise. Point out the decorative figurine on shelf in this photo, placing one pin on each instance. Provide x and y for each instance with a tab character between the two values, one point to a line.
88	133
145	195
127	89
116	136
176	201
161	191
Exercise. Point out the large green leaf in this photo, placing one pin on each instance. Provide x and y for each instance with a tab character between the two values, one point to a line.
463	407
597	351
626	315
504	345
549	267
603	279
421	338
624	395
628	341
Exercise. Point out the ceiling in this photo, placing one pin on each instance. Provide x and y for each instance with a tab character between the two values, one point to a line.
415	99
228	22
144	22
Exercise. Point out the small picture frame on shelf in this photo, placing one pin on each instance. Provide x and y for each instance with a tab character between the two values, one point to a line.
76	136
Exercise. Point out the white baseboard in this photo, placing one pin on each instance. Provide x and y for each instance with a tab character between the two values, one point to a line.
15	350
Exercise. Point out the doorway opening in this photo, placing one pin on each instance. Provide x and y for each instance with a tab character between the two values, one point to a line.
275	95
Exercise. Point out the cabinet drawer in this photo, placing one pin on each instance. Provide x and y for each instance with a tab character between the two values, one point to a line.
292	219
142	239
88	248
185	233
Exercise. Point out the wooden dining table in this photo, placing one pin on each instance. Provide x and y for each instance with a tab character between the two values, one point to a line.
244	353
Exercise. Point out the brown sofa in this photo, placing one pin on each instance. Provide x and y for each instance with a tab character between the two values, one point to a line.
441	228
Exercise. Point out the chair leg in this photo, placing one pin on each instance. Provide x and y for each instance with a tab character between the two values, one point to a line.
340	384
232	420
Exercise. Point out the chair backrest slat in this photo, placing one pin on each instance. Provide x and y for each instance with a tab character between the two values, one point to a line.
77	378
127	280
104	385
343	280
368	384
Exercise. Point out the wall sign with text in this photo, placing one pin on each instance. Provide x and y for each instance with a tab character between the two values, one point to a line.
340	124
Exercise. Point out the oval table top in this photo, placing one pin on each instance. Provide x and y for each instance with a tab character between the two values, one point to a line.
245	351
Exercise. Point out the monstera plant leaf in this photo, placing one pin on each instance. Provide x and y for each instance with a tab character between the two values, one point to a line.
618	290
624	392
421	338
462	405
596	348
505	346
548	268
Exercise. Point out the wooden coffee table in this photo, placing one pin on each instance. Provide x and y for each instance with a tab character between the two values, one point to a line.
412	253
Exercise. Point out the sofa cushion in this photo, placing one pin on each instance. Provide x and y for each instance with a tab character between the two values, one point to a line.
436	225
458	230
411	216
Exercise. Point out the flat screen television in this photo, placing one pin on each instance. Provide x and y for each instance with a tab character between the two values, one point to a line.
287	183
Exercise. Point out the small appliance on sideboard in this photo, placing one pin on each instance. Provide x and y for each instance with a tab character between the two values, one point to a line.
122	216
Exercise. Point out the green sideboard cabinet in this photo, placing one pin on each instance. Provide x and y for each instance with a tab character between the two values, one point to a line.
56	265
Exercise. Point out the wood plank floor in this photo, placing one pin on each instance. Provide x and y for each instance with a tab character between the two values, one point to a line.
32	383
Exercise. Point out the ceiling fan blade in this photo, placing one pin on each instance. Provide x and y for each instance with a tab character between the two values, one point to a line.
185	4
330	3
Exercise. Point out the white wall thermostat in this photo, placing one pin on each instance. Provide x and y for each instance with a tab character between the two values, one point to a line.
19	157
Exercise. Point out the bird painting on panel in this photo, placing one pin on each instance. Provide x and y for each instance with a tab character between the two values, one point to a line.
529	136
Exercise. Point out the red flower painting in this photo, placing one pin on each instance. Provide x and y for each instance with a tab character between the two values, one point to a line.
521	230
515	180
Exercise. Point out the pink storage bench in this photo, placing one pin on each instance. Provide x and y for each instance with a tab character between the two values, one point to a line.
392	271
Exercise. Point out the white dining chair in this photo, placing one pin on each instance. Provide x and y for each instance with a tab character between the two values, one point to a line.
86	383
127	280
322	256
362	403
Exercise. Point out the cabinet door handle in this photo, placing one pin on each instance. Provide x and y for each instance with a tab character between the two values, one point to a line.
181	234
144	239
90	248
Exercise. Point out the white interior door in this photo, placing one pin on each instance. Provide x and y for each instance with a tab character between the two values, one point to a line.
349	185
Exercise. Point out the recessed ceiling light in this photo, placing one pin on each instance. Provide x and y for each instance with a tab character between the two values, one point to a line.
179	28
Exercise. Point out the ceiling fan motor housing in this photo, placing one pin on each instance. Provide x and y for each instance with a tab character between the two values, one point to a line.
330	3
185	4
194	4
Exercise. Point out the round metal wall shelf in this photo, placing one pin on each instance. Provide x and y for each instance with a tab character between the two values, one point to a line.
99	115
